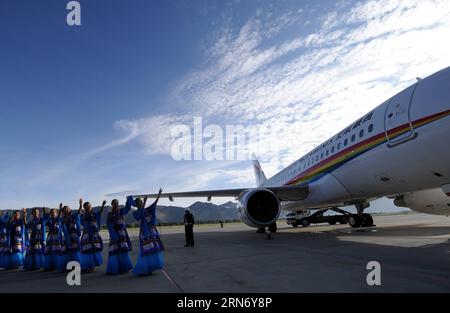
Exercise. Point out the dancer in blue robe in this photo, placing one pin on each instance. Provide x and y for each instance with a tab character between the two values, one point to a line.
35	241
4	248
52	255
151	247
119	242
16	240
91	241
71	228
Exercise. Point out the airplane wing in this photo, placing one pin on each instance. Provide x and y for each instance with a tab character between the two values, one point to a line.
285	193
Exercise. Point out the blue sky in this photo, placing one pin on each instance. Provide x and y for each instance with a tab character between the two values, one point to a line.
86	111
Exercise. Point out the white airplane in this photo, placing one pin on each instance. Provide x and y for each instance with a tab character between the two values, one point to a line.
399	150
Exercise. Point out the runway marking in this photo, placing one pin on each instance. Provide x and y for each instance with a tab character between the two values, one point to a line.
354	231
172	281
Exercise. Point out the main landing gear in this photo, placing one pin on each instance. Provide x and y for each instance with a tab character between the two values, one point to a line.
364	220
360	219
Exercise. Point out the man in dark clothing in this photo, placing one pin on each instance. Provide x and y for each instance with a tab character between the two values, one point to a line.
189	228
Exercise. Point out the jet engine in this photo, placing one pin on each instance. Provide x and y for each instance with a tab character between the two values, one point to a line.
259	207
430	201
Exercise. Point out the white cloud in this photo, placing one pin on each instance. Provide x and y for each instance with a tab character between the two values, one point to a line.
305	85
356	60
153	132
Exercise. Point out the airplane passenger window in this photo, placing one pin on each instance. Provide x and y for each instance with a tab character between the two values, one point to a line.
361	133
370	128
353	137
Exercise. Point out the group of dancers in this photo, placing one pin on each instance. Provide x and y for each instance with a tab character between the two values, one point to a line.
51	241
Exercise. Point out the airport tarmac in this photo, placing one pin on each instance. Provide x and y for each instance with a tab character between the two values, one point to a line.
412	249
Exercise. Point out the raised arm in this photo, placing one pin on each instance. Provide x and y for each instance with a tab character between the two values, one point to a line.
60	209
145	200
24	212
154	204
103	206
158	196
80	208
129	203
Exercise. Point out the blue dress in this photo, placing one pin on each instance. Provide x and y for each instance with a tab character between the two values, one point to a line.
35	243
119	242
71	248
52	255
151	247
4	248
91	242
15	243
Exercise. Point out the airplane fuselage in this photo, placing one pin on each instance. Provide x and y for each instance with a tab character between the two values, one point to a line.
401	146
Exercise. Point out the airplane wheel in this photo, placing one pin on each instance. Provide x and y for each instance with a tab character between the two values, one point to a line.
354	221
370	219
305	222
367	220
